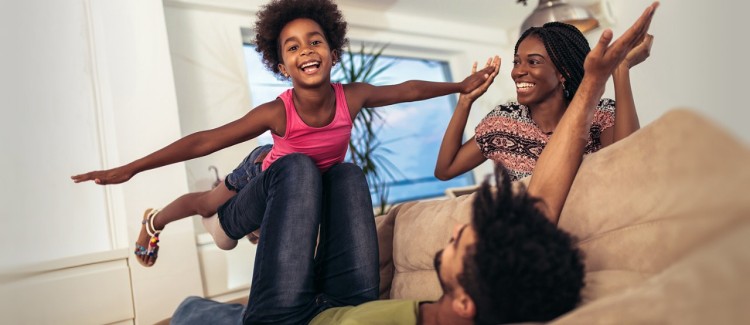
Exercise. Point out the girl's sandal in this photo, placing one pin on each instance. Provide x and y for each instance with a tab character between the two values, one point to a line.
153	243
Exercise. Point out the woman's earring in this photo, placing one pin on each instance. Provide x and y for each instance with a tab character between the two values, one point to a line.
566	93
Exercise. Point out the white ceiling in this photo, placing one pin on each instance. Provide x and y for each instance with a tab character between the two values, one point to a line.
503	14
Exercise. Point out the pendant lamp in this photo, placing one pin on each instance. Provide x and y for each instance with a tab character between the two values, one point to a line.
560	10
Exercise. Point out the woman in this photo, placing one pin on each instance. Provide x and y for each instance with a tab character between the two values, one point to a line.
547	69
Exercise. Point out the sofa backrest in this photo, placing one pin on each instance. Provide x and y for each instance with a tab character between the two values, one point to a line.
645	202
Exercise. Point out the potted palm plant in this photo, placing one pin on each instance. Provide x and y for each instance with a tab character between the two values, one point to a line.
365	149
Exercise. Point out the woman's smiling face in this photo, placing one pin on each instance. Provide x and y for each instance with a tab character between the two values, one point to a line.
534	73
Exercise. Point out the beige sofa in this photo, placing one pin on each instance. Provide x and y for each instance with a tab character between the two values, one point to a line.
663	218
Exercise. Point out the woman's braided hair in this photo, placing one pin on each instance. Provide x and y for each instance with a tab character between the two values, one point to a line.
567	47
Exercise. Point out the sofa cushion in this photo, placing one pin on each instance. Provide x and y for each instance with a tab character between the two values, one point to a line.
708	286
420	230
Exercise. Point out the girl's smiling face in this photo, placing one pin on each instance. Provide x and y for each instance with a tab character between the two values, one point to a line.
306	55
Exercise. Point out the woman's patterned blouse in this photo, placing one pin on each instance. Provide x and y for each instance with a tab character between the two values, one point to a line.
508	135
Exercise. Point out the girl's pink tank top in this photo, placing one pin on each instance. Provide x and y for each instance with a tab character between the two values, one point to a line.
326	145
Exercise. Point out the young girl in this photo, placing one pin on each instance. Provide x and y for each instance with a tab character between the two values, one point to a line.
547	70
300	40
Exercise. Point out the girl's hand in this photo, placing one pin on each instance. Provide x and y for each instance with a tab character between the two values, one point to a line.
104	177
471	90
639	53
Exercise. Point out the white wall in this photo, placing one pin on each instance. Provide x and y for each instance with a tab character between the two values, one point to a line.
49	130
87	84
698	60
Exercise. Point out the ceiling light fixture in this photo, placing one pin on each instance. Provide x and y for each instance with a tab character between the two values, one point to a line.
560	10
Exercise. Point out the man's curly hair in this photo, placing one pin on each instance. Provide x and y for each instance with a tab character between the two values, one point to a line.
522	268
275	15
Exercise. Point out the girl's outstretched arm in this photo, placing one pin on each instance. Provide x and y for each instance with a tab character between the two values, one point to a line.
626	116
365	95
455	158
192	146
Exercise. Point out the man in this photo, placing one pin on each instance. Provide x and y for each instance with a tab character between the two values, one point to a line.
511	264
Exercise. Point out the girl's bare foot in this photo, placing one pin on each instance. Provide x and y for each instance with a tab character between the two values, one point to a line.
147	244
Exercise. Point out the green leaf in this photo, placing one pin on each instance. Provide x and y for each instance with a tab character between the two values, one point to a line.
364	145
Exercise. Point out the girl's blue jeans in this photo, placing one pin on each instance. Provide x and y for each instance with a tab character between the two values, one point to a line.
292	281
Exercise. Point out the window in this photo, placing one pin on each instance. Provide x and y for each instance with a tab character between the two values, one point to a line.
410	133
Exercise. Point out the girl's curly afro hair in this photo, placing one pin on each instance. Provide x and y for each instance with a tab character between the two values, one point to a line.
275	15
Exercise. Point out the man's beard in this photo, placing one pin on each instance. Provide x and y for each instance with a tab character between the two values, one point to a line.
438	260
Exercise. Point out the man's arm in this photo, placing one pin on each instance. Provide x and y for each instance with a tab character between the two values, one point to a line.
559	162
626	116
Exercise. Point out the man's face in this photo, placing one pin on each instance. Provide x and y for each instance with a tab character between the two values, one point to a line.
449	261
